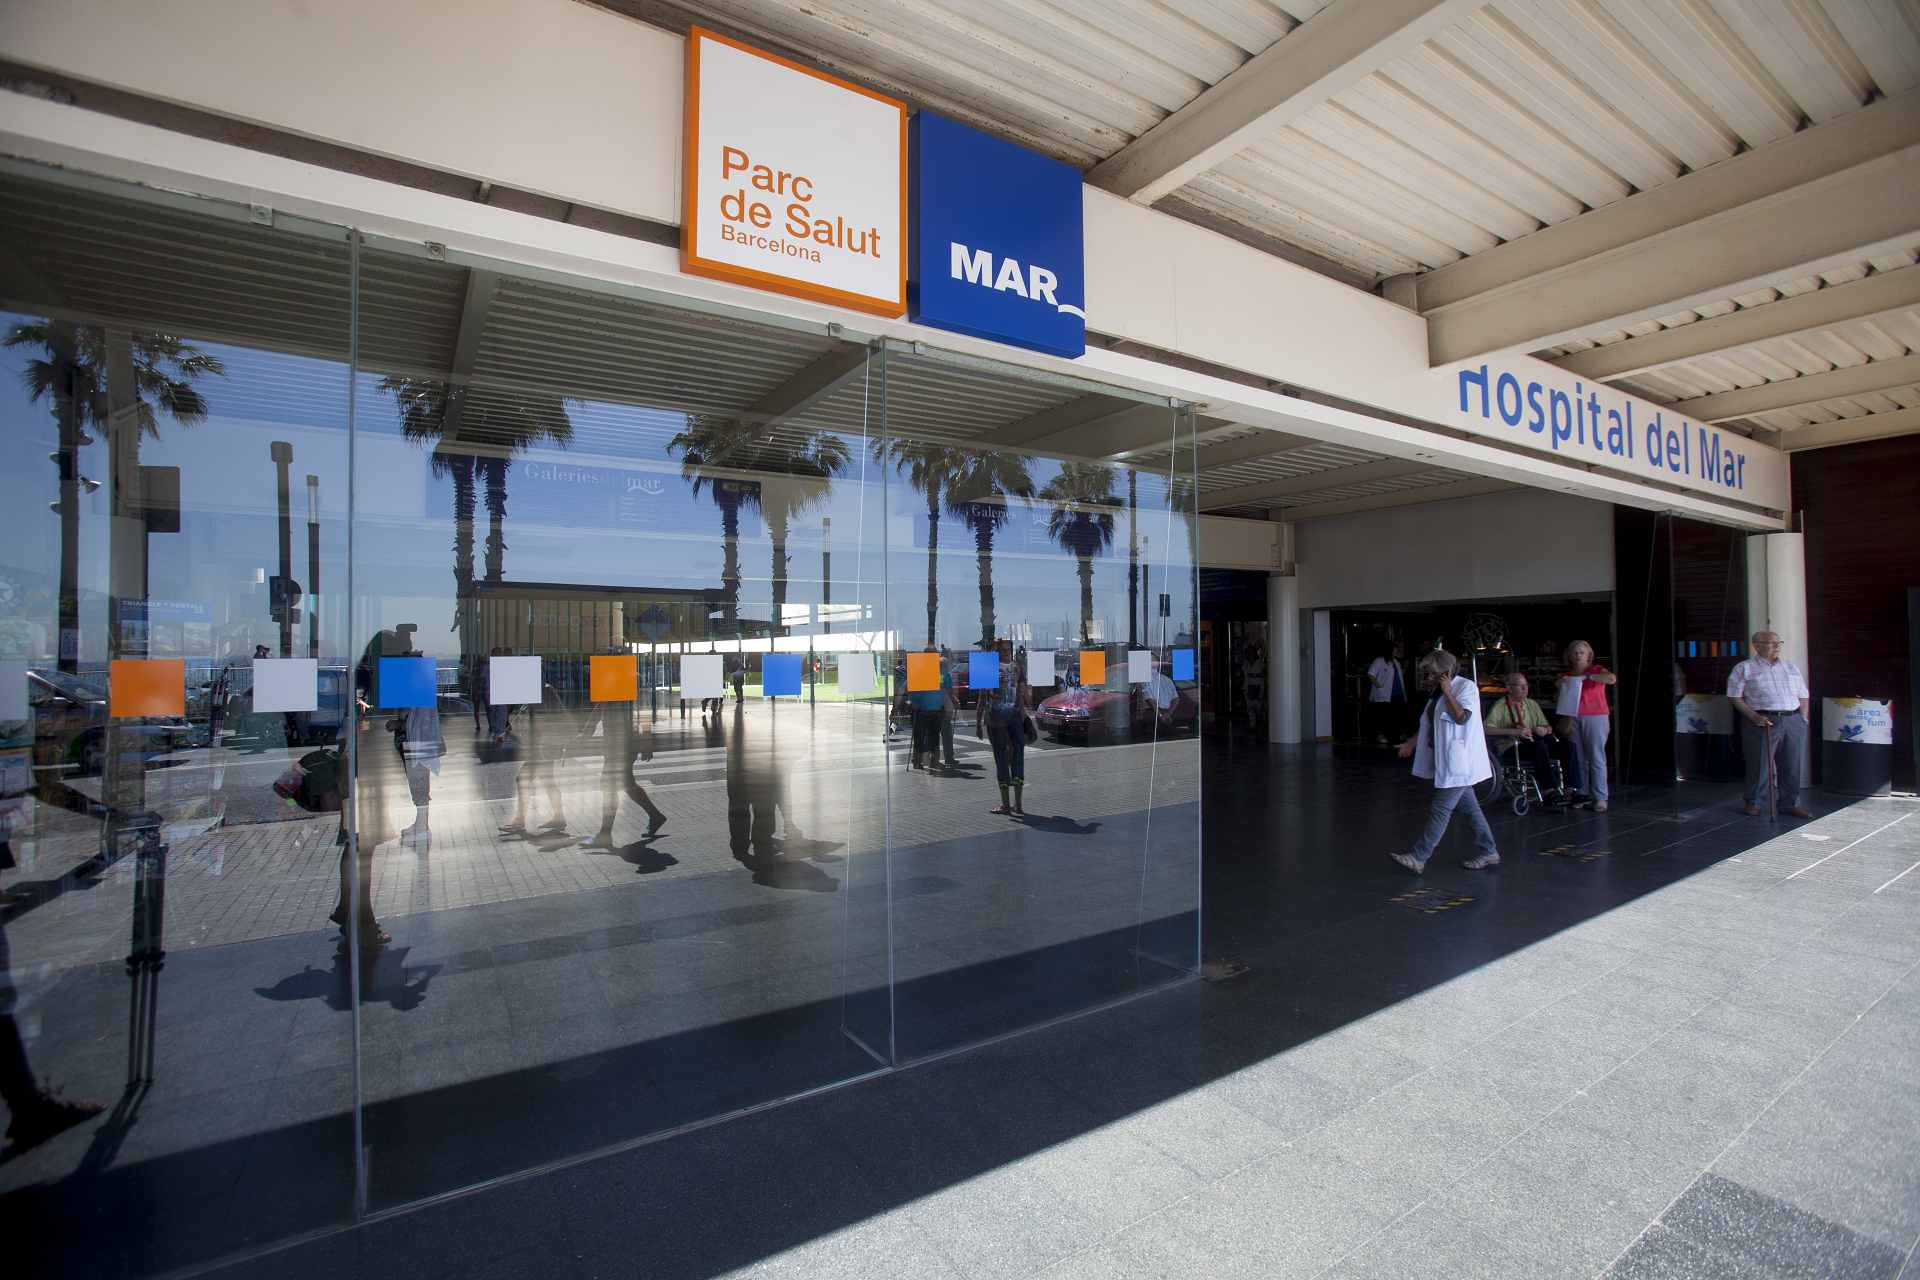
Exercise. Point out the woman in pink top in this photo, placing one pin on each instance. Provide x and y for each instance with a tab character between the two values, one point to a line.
1591	723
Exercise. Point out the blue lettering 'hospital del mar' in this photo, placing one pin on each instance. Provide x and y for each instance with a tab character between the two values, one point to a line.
1586	421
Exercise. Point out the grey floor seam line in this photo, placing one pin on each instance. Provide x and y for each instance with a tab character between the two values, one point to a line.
1582	1092
1843	848
1771	1104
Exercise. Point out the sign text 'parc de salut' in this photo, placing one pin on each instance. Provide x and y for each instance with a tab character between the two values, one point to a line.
804	224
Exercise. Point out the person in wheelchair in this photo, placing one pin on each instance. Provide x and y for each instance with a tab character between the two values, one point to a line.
1518	724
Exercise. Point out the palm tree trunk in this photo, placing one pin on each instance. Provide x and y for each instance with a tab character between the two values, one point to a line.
777	526
461	465
933	559
1086	599
67	414
495	470
983	546
730	566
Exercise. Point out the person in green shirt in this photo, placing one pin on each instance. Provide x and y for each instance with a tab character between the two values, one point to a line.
1517	723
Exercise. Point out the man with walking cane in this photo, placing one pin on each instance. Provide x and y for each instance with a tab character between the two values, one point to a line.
1771	696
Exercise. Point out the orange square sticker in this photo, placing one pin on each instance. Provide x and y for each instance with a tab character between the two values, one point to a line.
1093	666
612	677
923	672
147	687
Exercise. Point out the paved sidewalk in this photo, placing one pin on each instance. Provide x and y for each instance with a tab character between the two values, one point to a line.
1719	1079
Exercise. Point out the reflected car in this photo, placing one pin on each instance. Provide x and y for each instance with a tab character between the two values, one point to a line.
1074	715
70	726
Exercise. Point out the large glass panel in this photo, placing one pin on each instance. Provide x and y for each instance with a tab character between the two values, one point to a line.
617	577
1041	571
457	718
175	1025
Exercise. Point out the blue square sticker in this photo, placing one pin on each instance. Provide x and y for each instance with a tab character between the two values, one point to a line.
780	675
406	682
983	671
1183	664
997	243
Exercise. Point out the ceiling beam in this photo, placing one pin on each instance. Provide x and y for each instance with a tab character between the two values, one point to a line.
1268	490
1405	498
1331	51
1831	194
1811	388
1263	445
1047	422
466	351
1874	426
1864	299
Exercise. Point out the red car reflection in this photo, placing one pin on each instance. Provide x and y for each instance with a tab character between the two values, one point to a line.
1085	713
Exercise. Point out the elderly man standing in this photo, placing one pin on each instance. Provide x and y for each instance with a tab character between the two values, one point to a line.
1770	694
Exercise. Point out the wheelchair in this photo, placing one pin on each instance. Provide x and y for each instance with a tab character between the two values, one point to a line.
1512	776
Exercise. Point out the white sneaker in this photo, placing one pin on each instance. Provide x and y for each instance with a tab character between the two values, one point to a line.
1408	861
1484	860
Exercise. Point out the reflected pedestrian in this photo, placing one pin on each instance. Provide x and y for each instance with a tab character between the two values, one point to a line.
35	1113
421	746
544	732
1451	749
620	745
380	773
927	706
1000	716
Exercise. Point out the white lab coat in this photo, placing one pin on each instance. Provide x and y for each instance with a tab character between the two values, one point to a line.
1453	755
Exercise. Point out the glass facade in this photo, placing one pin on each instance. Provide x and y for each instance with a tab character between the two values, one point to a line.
459	718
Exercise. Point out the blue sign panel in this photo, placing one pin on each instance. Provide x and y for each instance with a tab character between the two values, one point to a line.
407	682
780	674
983	671
1183	664
997	249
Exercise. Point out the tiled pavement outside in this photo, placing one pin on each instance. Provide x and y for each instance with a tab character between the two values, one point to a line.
1717	1078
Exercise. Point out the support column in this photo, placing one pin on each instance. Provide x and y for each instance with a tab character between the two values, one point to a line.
1777	602
1283	658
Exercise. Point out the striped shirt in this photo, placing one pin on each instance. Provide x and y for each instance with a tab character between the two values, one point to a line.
1768	686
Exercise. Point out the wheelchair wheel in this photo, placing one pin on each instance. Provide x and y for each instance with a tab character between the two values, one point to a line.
1521	804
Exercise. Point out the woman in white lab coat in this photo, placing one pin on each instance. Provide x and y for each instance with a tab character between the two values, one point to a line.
1450	748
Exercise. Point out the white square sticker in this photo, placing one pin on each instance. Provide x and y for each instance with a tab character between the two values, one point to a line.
1040	670
1139	666
856	674
702	676
513	679
286	684
13	689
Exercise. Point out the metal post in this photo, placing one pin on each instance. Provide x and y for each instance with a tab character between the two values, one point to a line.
313	566
282	597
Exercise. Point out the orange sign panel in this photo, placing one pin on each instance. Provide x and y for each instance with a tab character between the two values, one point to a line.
612	678
923	672
1093	666
795	181
147	687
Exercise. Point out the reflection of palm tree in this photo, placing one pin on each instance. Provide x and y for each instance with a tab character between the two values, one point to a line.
933	469
498	426
744	467
86	368
1081	522
980	496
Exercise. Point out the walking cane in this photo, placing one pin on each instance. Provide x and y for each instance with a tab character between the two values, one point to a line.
1773	779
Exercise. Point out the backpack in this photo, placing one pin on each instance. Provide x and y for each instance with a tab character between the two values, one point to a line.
314	783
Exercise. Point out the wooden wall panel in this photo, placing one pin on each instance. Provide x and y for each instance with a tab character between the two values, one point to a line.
1860	507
